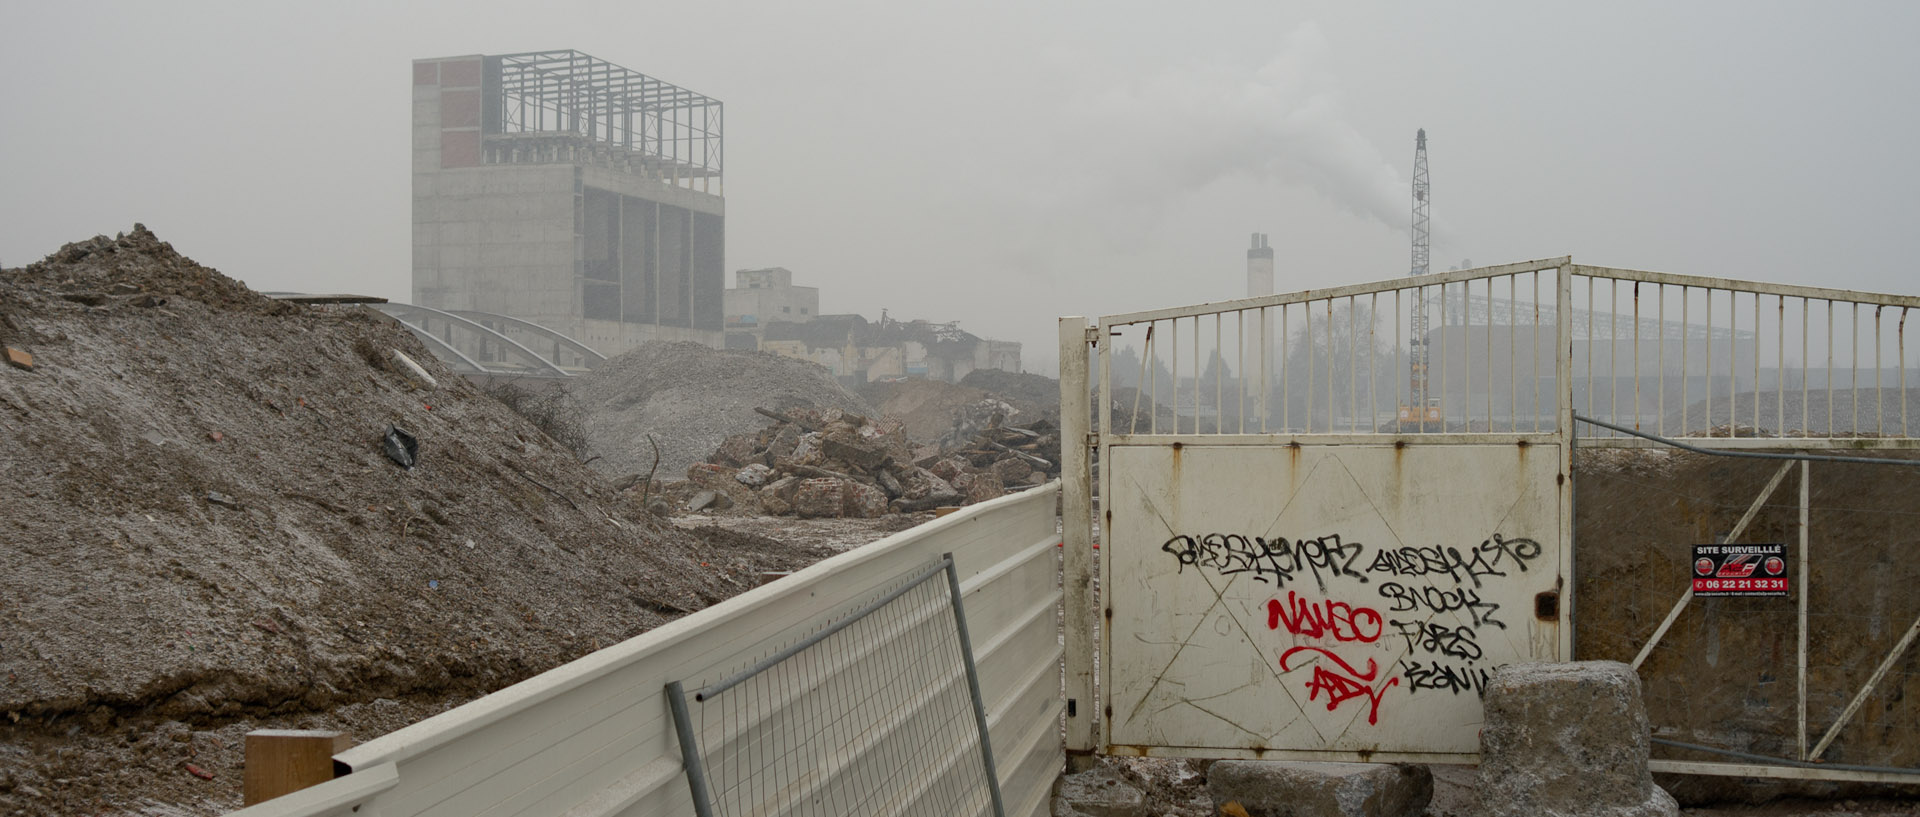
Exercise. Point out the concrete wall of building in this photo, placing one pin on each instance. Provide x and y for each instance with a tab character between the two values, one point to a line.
615	337
757	307
761	296
498	239
611	257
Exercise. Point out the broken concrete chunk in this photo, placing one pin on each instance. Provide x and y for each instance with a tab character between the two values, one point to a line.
889	483
710	476
948	467
223	500
985	486
754	475
863	501
1568	740
850	448
820	497
1012	470
1098	792
1263	788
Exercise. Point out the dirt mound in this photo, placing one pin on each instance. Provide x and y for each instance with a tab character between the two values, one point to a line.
925	407
950	414
690	398
202	528
1021	387
1815	413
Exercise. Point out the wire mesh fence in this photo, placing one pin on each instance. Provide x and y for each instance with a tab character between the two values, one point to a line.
1827	674
877	712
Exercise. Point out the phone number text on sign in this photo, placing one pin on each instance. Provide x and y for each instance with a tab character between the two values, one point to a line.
1740	570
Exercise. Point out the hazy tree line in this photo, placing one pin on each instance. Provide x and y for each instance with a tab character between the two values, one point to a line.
1322	359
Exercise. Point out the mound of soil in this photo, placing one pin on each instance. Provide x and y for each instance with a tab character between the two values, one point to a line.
927	408
202	532
690	398
1020	387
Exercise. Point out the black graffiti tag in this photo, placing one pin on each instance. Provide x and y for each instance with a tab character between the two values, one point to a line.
1275	560
1439	600
1441	677
1484	560
1439	639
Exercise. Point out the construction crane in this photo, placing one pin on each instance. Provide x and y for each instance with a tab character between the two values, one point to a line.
1420	407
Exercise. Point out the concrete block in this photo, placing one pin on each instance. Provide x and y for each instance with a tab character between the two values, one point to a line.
819	497
847	447
1567	740
864	501
1263	788
1098	792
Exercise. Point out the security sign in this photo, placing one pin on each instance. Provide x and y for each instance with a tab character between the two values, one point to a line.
1740	570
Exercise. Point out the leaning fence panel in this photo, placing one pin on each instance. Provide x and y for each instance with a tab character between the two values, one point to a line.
596	736
879	712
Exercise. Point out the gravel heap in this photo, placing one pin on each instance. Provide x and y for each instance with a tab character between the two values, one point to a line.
202	533
691	398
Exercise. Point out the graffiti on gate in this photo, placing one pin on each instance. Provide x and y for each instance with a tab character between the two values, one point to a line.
1422	606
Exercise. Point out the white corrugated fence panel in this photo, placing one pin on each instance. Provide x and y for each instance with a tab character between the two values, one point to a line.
594	737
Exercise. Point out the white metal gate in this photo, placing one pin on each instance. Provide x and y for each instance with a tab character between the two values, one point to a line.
1320	535
1309	555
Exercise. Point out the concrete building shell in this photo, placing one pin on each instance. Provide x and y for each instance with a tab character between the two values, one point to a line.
859	351
571	193
762	296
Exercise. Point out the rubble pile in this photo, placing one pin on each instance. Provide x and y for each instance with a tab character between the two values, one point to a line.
227	512
688	398
816	463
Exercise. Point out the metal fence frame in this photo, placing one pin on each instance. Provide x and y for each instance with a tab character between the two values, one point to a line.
595	737
685	728
1084	346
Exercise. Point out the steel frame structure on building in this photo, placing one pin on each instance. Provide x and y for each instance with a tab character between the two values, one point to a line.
567	92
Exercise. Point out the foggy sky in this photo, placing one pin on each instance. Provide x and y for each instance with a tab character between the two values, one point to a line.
1005	163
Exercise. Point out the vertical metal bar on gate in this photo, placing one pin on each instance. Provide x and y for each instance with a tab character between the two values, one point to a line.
1801	689
1563	390
973	684
1076	514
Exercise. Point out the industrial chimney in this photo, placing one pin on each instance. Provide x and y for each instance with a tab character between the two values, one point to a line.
1259	267
1260	282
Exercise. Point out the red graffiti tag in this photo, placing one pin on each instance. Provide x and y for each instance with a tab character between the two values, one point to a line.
1342	688
1325	619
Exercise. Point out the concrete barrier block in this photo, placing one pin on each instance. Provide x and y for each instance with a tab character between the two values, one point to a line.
1276	789
1567	740
1098	792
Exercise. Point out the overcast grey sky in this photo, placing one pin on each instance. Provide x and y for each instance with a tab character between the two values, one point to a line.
1004	163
